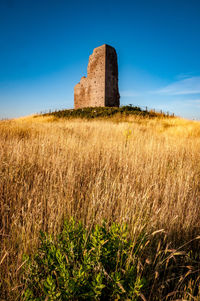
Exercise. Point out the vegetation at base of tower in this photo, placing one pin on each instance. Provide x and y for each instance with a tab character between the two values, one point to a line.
142	172
103	112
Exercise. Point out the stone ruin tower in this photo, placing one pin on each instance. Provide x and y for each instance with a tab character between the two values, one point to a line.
100	87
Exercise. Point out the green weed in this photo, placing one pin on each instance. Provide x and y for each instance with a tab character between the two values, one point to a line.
100	264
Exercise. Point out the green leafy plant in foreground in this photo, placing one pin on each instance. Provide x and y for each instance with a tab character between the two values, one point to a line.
100	264
103	263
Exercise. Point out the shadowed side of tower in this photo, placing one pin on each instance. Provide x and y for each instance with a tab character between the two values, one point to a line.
100	87
111	78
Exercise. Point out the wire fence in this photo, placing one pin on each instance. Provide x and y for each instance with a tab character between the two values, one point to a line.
148	109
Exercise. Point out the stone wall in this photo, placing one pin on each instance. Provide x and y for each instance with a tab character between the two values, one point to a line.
100	87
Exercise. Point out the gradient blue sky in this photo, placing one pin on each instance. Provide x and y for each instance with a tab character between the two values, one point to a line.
45	46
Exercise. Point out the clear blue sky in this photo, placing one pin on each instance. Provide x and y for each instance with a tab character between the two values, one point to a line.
45	46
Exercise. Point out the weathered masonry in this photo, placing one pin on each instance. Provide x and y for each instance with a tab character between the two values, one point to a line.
100	87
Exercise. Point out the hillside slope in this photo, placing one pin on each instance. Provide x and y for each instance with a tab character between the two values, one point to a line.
107	112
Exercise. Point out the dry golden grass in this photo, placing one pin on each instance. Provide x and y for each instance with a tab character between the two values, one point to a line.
145	172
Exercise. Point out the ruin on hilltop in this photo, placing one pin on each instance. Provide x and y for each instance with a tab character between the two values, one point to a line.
100	87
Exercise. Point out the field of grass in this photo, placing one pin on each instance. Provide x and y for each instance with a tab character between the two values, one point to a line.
137	170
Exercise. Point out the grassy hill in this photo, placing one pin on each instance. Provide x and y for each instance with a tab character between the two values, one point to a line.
141	171
106	112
